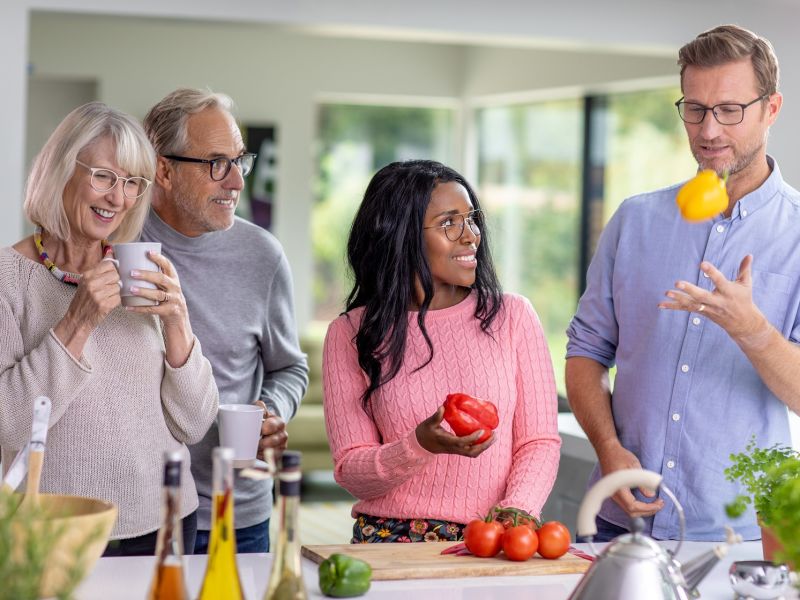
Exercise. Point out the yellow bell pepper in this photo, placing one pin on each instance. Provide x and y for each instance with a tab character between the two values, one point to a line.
702	197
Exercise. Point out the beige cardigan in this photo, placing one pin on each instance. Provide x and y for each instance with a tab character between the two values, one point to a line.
114	411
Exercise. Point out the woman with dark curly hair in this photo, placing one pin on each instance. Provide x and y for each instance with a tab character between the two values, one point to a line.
426	318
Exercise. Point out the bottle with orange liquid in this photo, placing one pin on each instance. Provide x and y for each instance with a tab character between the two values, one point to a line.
221	581
169	582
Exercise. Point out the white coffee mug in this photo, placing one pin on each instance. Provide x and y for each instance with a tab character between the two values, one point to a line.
240	429
133	256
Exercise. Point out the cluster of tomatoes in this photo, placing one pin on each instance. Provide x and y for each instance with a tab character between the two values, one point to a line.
518	534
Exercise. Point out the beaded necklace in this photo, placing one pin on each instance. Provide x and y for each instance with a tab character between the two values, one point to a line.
65	276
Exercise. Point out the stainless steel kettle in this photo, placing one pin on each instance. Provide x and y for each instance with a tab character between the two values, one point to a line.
634	566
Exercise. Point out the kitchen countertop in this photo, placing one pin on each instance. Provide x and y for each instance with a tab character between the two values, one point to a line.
129	578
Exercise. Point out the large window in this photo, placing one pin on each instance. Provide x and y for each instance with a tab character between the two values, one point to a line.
529	180
530	176
647	147
545	209
354	142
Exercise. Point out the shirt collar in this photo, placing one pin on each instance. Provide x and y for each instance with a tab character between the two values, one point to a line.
750	203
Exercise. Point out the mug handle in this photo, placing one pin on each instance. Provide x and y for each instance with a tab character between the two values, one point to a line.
116	264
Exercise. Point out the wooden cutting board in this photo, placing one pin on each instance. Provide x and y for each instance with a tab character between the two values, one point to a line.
425	561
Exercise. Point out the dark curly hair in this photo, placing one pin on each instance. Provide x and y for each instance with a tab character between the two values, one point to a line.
386	254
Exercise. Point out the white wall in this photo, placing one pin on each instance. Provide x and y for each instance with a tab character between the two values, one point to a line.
49	101
498	71
13	60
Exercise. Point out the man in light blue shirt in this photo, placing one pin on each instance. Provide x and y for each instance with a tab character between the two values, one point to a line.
701	319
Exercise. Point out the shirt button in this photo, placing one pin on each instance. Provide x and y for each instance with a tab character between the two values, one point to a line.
696	320
720	228
676	417
744	213
685	368
670	464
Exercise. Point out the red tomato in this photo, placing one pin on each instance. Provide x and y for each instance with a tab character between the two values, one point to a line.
466	415
554	539
520	542
483	538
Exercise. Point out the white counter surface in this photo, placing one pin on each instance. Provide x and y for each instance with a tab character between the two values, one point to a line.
129	578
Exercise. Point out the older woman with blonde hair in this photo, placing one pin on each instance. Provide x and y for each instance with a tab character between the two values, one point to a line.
126	384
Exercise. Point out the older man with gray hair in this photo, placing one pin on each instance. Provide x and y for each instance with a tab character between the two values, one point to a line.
237	283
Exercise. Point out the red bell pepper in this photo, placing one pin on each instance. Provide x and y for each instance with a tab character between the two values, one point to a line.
466	415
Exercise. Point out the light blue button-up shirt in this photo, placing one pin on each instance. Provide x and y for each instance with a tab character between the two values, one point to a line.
685	396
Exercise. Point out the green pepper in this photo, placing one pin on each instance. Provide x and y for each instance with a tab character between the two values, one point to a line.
343	576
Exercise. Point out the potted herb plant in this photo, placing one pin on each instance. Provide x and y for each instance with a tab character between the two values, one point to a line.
771	477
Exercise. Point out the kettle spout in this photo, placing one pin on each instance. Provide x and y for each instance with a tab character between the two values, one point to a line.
695	570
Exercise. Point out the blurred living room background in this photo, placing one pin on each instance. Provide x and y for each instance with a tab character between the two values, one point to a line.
554	111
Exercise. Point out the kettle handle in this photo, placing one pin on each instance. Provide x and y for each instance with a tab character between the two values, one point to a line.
607	487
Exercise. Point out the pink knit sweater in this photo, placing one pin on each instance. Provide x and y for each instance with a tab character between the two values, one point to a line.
378	459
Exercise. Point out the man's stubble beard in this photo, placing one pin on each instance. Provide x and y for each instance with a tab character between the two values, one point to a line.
738	163
198	217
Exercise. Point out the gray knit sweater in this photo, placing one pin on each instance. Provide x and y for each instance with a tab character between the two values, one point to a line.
238	288
115	410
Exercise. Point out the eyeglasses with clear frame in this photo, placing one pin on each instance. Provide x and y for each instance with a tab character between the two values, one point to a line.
220	167
104	180
453	225
727	113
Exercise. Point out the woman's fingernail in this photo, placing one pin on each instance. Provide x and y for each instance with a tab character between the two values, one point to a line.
134	289
134	273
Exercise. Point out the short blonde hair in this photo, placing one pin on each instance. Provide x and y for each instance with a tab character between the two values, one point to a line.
55	164
730	43
165	124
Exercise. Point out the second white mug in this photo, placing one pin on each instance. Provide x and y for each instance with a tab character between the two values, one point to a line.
240	429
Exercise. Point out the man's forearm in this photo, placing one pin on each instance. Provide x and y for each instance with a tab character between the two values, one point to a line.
589	396
777	362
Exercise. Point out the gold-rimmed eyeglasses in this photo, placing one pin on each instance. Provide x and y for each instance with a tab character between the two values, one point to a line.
453	225
104	180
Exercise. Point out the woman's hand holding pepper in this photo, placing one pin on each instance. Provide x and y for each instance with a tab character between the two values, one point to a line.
437	440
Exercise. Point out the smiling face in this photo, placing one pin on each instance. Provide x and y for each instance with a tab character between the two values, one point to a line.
452	264
199	203
733	148
94	215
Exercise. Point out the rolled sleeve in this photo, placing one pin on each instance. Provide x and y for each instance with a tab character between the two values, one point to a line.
594	330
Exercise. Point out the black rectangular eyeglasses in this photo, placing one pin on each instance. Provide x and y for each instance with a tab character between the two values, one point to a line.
220	167
727	113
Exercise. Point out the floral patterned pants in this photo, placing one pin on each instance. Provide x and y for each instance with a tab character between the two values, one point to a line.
368	529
